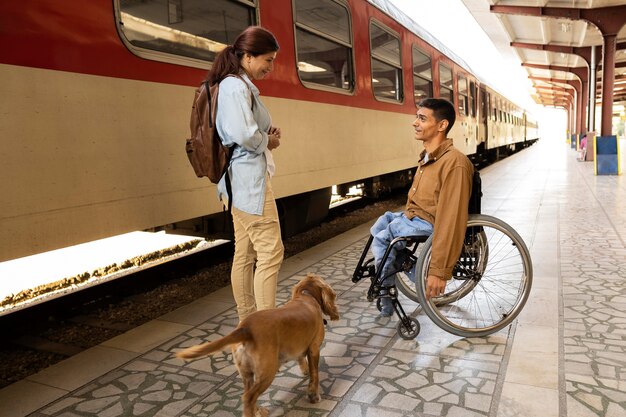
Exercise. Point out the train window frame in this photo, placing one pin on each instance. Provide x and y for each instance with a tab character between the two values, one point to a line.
327	37
473	102
168	56
462	95
450	89
419	75
494	107
381	60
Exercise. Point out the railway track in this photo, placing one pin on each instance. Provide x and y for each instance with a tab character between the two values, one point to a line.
39	336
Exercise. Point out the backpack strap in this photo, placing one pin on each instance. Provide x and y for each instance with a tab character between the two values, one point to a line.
246	84
229	187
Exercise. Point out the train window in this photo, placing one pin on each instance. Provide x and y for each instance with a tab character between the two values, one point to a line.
386	64
422	75
462	88
472	99
446	89
324	44
165	30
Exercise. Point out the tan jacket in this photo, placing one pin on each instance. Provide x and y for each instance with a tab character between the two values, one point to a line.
440	193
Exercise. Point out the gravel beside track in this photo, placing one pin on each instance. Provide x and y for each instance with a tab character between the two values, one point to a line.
39	337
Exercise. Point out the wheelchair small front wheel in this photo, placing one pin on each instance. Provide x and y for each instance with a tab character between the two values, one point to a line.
408	328
491	282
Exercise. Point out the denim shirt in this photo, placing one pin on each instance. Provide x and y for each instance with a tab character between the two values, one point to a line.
245	128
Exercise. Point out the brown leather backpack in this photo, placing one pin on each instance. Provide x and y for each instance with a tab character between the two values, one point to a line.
208	156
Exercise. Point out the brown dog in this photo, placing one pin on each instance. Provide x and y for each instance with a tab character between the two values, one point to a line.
266	338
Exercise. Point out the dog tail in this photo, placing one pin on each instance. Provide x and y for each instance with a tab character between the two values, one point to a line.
239	335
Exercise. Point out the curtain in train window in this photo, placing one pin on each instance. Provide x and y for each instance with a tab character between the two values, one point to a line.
191	28
386	64
462	87
446	89
422	76
324	43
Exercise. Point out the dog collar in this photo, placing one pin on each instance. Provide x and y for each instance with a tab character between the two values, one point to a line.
305	292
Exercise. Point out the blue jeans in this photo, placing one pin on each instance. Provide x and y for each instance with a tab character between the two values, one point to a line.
388	227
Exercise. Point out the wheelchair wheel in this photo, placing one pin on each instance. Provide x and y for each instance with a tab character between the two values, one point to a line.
490	284
455	289
406	284
408	328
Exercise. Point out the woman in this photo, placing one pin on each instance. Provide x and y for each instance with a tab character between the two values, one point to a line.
244	122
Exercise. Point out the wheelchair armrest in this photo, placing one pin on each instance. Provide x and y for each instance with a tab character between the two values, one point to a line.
417	238
410	240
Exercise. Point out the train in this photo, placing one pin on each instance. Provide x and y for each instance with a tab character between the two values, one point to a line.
97	97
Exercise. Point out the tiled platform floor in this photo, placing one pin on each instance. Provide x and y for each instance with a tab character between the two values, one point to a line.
564	356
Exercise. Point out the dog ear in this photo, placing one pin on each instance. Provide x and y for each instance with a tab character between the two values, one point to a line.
328	302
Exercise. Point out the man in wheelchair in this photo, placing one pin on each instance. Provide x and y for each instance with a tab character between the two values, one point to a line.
437	202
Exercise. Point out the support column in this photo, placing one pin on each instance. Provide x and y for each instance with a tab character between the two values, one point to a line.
608	77
593	65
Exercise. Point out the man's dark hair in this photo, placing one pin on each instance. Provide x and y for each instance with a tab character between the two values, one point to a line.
442	109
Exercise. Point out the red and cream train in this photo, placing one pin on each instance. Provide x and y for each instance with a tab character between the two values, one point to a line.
96	98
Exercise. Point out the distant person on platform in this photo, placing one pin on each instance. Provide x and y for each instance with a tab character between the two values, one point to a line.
583	148
437	201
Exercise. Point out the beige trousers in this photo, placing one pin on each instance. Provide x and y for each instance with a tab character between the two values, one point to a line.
257	241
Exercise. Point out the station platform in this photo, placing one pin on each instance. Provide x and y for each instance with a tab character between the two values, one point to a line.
565	355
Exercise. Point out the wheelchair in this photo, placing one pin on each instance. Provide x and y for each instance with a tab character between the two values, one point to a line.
490	282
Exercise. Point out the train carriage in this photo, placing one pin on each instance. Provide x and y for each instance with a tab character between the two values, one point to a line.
97	98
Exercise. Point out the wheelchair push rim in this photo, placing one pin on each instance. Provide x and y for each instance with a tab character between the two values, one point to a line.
460	286
491	282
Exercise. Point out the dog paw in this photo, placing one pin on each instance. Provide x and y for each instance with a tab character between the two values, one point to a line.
262	412
314	397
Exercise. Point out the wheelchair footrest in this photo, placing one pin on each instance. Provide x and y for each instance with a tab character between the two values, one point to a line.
379	291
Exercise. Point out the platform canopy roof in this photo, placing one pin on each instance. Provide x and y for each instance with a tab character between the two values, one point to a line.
553	40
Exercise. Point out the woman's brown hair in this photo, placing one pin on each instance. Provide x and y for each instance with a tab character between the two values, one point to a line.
254	40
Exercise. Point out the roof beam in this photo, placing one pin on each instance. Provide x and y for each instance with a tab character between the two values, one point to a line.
581	72
576	84
608	19
582	51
